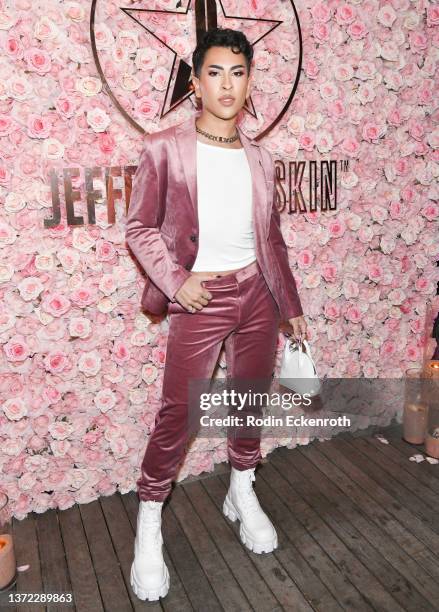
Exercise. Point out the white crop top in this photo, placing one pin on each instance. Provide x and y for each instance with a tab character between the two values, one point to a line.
224	190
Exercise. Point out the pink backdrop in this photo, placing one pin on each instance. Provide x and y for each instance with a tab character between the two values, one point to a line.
81	365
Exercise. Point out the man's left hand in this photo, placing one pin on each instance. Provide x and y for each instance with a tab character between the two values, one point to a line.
298	327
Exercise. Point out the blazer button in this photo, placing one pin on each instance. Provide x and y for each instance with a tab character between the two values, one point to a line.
193	237
188	266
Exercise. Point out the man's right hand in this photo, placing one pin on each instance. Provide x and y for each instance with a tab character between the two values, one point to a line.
192	295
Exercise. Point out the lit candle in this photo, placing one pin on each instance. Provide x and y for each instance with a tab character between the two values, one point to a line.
7	560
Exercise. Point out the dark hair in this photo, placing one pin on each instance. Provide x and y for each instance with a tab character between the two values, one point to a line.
221	37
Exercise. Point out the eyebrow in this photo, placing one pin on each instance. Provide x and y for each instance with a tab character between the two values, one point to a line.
221	67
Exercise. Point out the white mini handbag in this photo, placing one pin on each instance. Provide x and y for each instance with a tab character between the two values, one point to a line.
298	371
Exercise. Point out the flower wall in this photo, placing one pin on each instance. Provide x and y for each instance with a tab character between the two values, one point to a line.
81	365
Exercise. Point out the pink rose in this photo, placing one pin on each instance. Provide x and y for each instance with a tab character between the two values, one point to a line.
158	356
350	146
305	259
55	304
56	361
387	349
374	272
38	126
418	41
120	352
357	30
432	15
321	32
321	12
332	310
38	60
336	228
84	297
16	349
106	143
372	131
13	47
430	211
6	125
353	314
329	272
105	251
345	14
311	68
14	409
307	140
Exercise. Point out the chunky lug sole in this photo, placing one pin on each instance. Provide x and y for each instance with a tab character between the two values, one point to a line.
232	513
152	594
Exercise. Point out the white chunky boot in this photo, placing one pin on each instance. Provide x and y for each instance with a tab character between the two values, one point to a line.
256	530
149	576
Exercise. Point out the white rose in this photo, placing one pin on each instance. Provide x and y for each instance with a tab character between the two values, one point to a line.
312	280
89	86
343	72
366	93
324	141
7	271
81	239
45	29
68	258
44	262
138	397
107	304
149	372
128	39
79	327
389	51
353	221
98	120
366	70
105	400
19	88
14	409
130	82
75	281
90	363
411	21
348	179
146	58
14	202
386	15
296	125
103	36
30	288
75	11
52	148
313	120
7	234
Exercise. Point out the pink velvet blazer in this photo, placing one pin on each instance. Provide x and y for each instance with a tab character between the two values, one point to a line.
162	220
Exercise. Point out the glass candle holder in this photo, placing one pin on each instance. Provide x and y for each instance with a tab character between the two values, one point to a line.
432	398
414	421
8	567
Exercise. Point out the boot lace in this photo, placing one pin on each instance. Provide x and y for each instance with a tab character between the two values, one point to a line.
248	496
150	527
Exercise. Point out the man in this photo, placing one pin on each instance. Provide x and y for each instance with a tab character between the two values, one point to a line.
203	223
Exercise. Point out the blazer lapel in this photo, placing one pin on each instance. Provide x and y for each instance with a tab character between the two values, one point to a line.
186	137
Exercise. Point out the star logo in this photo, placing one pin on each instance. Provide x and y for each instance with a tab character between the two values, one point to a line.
160	30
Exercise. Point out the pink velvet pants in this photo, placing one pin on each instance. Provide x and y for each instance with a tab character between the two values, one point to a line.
243	313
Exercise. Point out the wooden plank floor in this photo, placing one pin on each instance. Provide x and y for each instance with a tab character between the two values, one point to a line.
357	523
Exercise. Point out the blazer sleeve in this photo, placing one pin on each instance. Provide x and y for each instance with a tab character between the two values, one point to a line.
288	300
142	232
